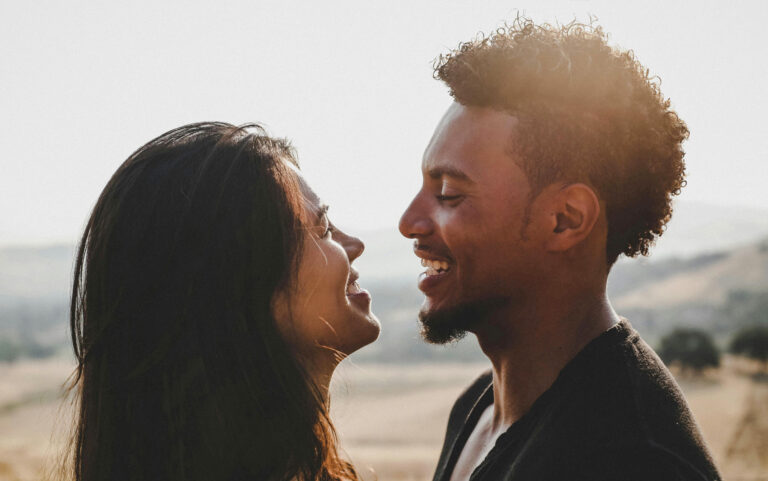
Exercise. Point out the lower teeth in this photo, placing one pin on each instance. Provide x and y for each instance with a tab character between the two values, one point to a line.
434	272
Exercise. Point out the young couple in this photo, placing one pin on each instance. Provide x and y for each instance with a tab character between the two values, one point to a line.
213	297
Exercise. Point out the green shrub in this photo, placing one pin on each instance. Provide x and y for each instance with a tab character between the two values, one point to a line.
693	349
751	342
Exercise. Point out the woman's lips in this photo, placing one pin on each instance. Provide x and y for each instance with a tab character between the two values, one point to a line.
361	299
357	294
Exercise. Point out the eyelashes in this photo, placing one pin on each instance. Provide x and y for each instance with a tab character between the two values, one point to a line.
446	198
328	227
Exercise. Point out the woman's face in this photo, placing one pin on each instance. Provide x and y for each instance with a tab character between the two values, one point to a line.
326	311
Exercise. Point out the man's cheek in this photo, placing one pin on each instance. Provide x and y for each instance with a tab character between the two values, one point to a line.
461	227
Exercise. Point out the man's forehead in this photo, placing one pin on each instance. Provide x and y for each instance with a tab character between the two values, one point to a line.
467	138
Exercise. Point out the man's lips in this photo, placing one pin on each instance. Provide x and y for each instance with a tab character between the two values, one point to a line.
428	281
427	253
438	268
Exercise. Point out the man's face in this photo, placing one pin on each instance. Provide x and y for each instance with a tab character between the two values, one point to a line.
469	222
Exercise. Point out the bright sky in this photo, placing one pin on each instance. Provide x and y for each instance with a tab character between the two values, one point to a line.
83	84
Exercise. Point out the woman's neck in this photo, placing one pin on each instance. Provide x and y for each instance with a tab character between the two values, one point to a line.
320	369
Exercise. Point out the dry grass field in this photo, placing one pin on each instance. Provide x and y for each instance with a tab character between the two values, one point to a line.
391	418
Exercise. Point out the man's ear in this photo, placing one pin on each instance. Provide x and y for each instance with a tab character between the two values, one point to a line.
574	210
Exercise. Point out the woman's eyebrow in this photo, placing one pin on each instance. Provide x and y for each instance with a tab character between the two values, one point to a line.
322	211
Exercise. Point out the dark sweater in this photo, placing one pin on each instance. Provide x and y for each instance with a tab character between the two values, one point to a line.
614	413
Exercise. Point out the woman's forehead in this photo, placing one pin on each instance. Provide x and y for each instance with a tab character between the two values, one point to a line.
312	201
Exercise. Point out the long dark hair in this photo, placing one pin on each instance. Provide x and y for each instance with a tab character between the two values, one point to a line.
182	373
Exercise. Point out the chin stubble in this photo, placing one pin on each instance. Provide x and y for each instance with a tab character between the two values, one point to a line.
449	325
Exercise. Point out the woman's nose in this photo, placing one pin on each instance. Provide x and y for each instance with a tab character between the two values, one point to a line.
353	246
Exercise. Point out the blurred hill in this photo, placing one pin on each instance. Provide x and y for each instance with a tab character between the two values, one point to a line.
707	280
709	270
34	287
35	274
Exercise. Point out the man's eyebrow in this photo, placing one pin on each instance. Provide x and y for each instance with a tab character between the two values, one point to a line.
439	172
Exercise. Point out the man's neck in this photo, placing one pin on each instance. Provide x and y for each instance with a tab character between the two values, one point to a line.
529	347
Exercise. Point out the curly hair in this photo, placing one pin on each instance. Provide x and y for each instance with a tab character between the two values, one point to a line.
587	112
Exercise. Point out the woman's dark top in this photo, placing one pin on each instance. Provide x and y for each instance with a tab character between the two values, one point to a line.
614	413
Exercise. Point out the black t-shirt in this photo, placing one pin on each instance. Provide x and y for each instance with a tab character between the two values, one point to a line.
614	413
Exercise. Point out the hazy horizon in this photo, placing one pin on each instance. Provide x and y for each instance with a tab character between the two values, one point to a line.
689	221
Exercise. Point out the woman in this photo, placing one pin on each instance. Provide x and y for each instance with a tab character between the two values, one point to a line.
212	300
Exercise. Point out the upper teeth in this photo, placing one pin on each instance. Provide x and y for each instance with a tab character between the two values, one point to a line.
353	288
437	265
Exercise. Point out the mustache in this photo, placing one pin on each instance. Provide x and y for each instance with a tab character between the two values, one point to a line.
425	249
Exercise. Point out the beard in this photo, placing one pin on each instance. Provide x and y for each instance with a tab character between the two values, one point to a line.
451	324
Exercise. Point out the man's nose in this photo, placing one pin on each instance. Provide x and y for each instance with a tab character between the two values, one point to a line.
415	222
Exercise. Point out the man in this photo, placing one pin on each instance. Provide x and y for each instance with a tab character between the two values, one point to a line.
558	155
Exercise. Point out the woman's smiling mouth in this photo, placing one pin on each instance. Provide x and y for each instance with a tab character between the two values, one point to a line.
357	294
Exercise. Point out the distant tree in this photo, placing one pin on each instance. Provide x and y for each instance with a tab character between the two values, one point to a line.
693	349
751	342
9	350
39	351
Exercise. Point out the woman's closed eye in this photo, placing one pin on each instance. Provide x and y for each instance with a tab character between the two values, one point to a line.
329	229
325	227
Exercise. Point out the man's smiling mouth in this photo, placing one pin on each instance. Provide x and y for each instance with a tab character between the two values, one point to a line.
435	267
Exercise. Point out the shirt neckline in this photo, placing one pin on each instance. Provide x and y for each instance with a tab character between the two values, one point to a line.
621	329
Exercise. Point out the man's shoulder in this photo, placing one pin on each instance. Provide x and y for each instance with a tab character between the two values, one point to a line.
634	384
622	404
620	374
